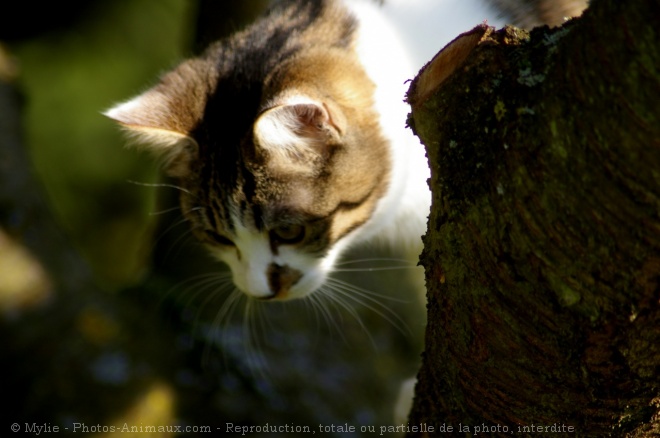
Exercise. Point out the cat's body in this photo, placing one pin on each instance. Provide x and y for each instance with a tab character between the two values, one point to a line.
289	138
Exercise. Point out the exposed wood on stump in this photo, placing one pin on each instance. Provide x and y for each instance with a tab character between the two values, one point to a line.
543	252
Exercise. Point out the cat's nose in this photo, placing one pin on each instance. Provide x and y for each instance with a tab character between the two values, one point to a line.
281	279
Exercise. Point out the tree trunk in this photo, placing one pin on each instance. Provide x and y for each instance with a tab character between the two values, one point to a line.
542	256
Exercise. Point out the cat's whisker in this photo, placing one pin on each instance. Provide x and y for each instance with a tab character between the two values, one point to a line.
372	296
393	264
172	226
253	348
405	262
178	242
314	302
193	282
341	302
178	292
320	309
384	268
167	210
371	301
160	185
262	312
218	331
220	282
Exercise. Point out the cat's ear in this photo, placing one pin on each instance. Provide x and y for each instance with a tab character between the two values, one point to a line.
149	120
162	118
299	128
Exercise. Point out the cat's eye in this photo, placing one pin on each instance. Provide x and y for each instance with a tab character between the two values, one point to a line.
288	234
219	238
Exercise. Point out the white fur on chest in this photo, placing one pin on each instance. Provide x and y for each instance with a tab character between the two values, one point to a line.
394	41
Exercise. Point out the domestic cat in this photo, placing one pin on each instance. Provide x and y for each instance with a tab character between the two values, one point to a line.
288	139
284	158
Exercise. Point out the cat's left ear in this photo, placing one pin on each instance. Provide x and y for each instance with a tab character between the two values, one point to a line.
299	127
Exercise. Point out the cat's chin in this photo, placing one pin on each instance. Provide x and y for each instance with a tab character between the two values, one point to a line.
291	275
308	285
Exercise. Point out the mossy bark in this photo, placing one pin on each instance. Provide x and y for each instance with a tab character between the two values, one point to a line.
542	256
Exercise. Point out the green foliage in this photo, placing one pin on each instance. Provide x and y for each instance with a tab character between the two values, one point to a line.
68	79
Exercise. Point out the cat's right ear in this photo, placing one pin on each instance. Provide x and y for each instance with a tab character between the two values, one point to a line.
163	117
149	120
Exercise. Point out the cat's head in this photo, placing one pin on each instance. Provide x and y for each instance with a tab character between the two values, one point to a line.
273	136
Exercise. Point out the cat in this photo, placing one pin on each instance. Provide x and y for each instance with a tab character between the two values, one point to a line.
284	158
288	139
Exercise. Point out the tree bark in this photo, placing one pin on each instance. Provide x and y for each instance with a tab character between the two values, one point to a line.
542	256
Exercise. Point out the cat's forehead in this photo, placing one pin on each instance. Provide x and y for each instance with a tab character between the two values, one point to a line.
272	204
